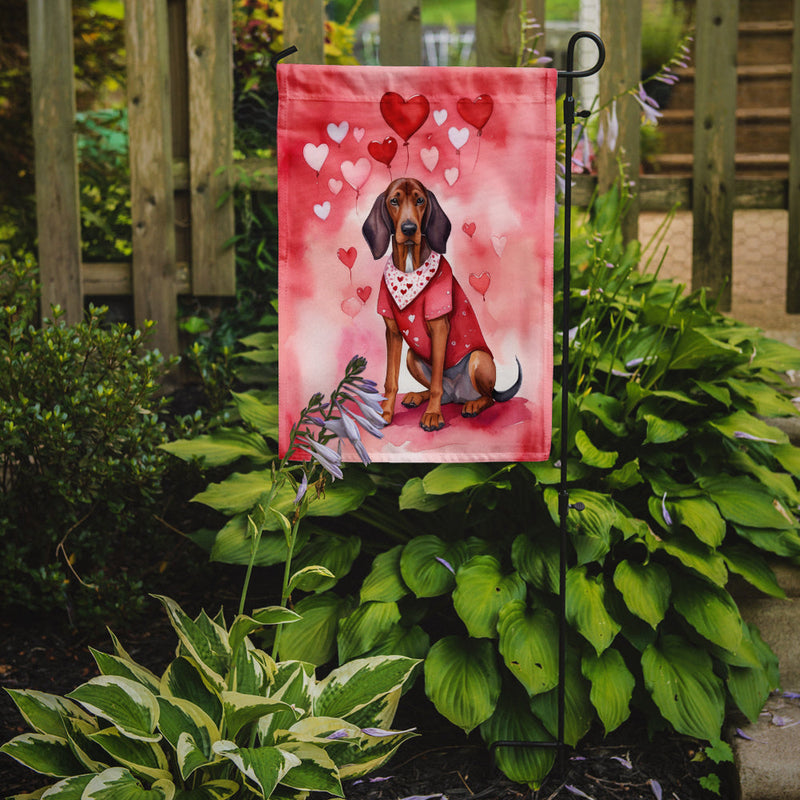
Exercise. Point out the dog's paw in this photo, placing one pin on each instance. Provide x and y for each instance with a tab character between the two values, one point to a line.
415	399
474	407
432	422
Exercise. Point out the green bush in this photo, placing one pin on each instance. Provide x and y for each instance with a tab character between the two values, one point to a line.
79	428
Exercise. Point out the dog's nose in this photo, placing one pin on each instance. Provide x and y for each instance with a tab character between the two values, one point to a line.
408	227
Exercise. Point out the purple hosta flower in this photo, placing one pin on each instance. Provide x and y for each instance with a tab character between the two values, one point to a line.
376	779
447	564
664	512
649	106
424	797
655	787
791	695
342	733
751	437
582	155
327	458
626	762
742	735
608	131
577	792
372	421
301	489
380	732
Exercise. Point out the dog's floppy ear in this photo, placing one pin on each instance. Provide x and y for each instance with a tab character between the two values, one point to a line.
377	227
436	225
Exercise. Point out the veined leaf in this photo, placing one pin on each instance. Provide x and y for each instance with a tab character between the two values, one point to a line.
259	415
646	589
691	553
117	783
612	687
67	789
45	712
683	685
385	582
663	431
414	497
766	400
626	476
741	422
399	640
462	680
746	561
743	501
608	410
529	645
424	565
591	455
481	591
223	446
241	709
537	561
789	457
178	717
313	638
586	608
696	349
709	609
212	790
334	553
364	628
452	478
780	542
774	355
234	545
264	766
701	517
316	771
44	753
125	668
146	759
182	679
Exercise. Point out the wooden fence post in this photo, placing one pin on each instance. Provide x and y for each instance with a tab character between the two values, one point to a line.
152	200
401	33
498	30
621	28
714	190
210	54
793	266
56	164
304	27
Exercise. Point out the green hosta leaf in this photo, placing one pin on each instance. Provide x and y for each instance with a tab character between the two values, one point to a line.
179	717
780	484
372	753
612	687
683	685
586	608
782	543
335	553
261	416
462	680
548	474
714	390
252	670
693	554
294	684
44	753
741	425
709	610
399	640
365	627
774	355
316	771
597	517
118	784
239	492
424	565
529	645
608	410
182	679
537	561
78	733
646	589
414	497
312	577
385	582
788	455
242	709
512	721
45	712
264	766
767	401
355	685
481	591
67	789
753	567
126	704
701	517
233	544
212	790
125	668
223	446
601	459
696	349
145	759
243	625
313	638
663	431
450	478
749	688
745	502
578	710
625	477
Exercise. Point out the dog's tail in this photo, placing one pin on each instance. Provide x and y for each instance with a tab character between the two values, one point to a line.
507	394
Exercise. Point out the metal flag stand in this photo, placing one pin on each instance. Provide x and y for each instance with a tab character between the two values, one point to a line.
564	505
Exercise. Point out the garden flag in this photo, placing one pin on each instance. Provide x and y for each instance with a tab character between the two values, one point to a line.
416	225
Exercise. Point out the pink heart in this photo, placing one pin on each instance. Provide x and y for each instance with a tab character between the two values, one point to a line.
356	174
499	244
347	257
322	209
440	116
334	185
315	156
338	132
469	229
352	306
358	134
364	292
451	175
430	157
458	137
480	282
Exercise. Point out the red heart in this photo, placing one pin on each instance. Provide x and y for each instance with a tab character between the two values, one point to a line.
404	117
383	151
476	112
347	257
468	228
364	292
480	282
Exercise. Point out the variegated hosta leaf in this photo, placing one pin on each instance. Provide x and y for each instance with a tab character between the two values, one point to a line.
371	754
212	790
316	771
646	589
462	680
179	717
125	668
190	755
126	704
710	610
367	626
586	608
683	685
294	685
68	789
385	581
529	645
204	641
313	638
145	759
612	686
262	766
45	712
513	721
481	591
244	625
183	679
428	565
117	783
44	753
242	709
78	733
358	683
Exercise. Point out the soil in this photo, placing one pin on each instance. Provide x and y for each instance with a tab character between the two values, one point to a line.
46	655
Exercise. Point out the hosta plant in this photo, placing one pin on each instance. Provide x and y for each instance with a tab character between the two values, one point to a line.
224	720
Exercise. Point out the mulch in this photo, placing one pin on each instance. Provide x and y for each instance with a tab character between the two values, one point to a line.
45	654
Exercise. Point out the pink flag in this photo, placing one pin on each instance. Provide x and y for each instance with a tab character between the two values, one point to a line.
416	211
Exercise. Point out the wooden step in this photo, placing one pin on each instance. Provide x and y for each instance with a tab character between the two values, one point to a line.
754	10
767	165
765	42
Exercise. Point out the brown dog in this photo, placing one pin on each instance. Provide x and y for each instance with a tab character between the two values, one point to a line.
422	303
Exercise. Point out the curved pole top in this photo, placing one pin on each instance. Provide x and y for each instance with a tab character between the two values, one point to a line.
570	72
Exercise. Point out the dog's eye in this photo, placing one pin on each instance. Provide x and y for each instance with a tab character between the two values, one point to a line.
393	201
420	201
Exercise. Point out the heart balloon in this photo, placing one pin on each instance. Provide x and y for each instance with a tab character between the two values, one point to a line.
351	306
315	156
364	292
383	151
480	282
404	117
476	112
469	229
347	257
356	174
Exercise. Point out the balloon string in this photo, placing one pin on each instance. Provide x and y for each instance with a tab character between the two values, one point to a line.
408	154
477	152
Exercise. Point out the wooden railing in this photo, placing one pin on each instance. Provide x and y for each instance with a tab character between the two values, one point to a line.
181	134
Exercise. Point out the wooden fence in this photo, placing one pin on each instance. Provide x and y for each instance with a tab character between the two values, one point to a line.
180	93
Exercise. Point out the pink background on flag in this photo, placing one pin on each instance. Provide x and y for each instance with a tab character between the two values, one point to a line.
497	189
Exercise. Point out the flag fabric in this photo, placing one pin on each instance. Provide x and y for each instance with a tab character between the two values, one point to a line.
416	228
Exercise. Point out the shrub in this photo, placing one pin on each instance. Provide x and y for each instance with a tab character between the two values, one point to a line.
79	430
